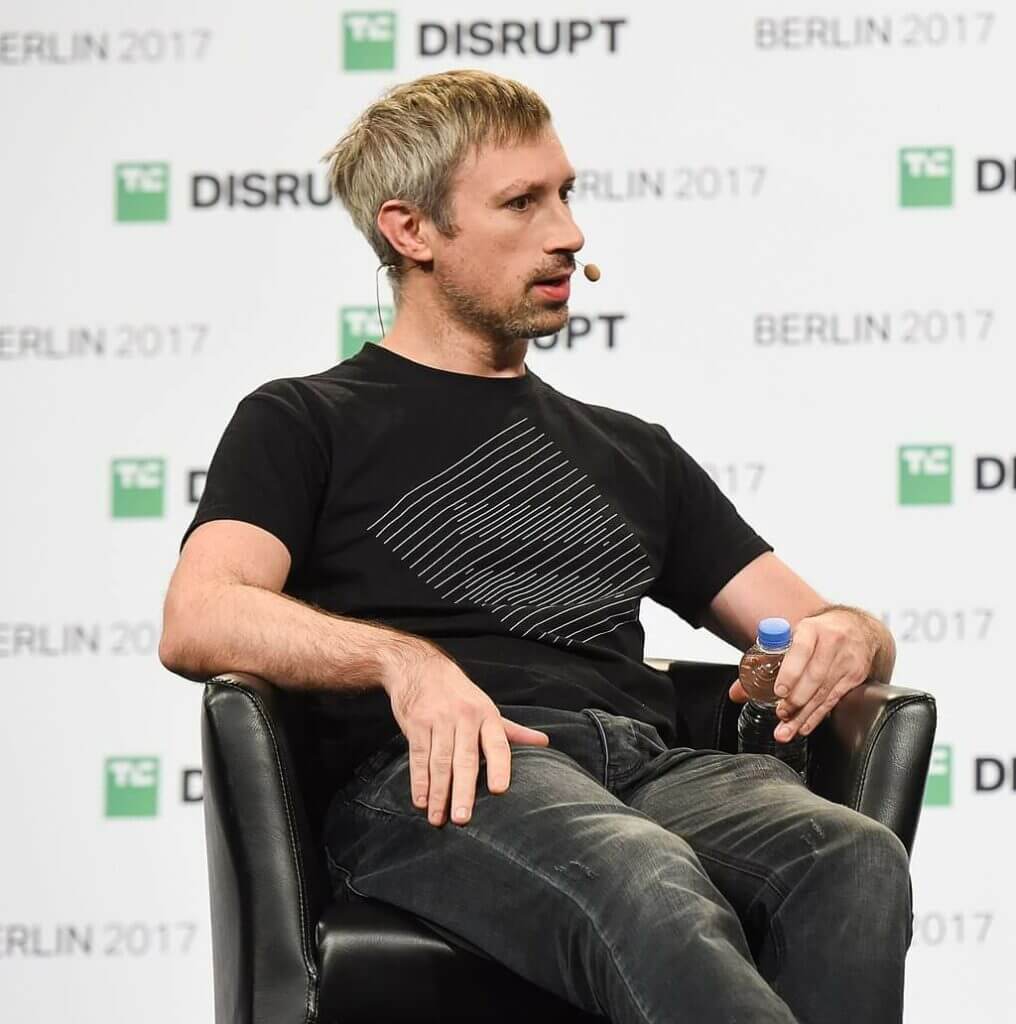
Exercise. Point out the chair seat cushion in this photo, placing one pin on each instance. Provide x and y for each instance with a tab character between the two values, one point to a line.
381	963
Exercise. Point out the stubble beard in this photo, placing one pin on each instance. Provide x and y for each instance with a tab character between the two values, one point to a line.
522	320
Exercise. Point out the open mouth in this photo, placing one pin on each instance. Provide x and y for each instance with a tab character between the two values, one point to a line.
555	278
555	287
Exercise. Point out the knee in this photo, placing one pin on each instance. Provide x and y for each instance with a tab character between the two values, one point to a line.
880	869
877	846
863	850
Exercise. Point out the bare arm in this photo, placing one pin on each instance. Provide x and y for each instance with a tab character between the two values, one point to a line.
764	587
224	611
836	647
767	586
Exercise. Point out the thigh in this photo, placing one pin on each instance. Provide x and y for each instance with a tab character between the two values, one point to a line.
554	865
755	826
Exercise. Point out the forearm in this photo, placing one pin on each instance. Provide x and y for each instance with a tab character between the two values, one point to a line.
236	627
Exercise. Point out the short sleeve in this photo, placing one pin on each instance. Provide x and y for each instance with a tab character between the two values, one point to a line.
269	469
708	542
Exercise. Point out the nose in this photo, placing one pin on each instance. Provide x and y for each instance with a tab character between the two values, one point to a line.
565	236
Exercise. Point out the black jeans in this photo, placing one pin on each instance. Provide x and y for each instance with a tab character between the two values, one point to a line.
643	883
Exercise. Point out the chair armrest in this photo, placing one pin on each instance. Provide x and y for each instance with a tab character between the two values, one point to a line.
872	753
266	884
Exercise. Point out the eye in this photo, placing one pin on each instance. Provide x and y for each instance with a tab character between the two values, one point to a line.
527	198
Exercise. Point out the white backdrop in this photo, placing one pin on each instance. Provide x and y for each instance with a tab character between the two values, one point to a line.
770	292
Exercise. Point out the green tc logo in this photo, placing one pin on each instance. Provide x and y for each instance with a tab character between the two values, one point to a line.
132	787
358	325
142	192
368	40
938	789
926	176
138	488
925	474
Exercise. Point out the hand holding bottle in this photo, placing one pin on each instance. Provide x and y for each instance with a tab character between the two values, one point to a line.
758	727
833	651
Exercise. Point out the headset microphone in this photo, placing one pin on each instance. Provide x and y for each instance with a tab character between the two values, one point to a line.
591	270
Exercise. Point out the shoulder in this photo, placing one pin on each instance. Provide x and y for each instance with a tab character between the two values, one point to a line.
311	400
303	394
304	408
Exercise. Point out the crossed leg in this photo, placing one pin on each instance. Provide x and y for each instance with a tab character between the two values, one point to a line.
566	885
823	892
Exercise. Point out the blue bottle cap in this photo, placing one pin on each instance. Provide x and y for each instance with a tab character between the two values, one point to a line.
774	633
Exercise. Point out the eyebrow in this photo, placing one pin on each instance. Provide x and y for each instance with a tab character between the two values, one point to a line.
521	184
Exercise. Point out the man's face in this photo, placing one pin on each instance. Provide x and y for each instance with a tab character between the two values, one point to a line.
515	228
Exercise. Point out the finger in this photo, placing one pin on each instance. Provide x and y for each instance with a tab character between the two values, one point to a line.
820	713
854	676
796	711
523	734
465	763
737	692
419	766
801	649
497	752
789	727
787	730
819	706
813	680
442	749
813	715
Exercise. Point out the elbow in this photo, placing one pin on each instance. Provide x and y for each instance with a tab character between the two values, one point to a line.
169	653
179	650
173	656
191	645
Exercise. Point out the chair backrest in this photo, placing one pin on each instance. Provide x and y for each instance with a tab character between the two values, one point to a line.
705	718
314	757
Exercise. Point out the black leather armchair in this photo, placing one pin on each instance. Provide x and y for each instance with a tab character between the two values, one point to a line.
285	951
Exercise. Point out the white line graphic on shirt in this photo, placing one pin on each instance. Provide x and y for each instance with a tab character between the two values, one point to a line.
514	528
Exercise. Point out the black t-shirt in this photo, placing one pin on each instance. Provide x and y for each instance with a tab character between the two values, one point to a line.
516	527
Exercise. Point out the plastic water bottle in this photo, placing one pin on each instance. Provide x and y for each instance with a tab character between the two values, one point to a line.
758	718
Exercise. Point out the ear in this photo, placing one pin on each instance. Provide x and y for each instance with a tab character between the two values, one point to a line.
405	229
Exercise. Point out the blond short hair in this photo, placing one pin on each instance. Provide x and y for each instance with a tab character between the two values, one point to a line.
408	144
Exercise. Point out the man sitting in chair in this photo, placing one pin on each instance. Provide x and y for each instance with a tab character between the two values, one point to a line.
447	555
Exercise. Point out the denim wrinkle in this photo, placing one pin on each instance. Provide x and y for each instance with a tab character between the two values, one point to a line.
591	713
735	916
509	854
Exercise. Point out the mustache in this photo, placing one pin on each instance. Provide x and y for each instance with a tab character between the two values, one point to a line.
555	272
